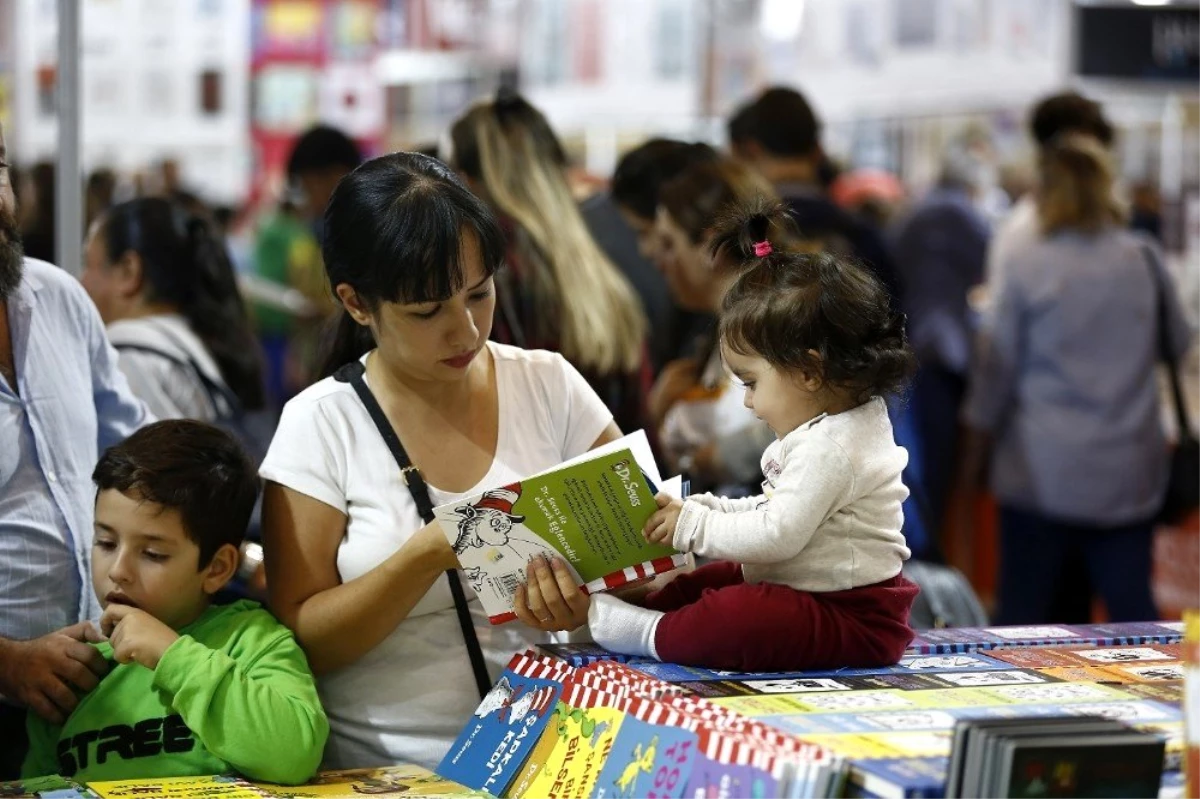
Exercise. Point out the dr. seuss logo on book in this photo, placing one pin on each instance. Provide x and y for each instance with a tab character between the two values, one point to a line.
624	470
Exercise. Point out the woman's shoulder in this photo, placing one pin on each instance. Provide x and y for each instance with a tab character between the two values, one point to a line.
530	360
328	396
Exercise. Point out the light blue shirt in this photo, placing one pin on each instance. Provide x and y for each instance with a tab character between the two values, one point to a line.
73	402
1065	378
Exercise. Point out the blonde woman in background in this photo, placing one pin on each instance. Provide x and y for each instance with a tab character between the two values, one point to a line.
1064	386
705	429
560	292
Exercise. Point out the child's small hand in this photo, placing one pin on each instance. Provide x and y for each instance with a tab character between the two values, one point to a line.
135	635
660	528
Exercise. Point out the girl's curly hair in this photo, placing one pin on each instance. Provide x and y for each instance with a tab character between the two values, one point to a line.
814	312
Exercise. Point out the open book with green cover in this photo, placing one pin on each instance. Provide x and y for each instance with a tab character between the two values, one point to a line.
590	511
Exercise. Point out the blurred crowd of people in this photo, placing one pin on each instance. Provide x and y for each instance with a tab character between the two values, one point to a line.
1034	307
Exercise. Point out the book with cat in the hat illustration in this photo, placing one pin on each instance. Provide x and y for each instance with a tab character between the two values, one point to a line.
589	511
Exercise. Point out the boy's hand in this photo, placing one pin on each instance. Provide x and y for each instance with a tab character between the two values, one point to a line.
660	528
135	635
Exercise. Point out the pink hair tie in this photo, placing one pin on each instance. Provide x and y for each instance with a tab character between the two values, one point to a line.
762	248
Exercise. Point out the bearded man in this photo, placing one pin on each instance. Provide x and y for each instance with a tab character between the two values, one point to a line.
62	402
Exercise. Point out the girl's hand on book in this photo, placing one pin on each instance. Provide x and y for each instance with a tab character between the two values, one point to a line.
550	600
660	528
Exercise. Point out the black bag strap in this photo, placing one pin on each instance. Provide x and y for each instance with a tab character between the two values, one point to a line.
1165	351
352	373
226	404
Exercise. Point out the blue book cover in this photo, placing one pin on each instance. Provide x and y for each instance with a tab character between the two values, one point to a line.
500	734
970	639
647	760
895	777
584	654
712	779
909	664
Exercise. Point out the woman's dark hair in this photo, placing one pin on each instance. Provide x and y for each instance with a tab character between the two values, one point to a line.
194	468
185	264
394	232
783	123
642	171
787	305
1069	112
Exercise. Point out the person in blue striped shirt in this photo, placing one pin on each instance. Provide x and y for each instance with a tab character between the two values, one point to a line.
62	401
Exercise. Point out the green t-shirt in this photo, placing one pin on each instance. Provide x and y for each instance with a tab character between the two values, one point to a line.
287	253
234	693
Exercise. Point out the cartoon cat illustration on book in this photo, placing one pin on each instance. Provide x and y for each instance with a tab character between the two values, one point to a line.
512	705
490	522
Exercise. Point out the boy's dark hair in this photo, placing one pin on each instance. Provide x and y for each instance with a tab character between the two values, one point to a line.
787	305
642	171
195	468
782	122
321	147
1069	112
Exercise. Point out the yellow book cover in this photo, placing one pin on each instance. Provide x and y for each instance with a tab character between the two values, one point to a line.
586	737
218	787
571	750
411	782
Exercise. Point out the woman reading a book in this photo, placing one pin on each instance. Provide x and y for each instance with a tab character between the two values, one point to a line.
352	567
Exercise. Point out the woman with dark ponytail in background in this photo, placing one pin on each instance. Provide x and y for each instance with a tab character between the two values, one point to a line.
166	289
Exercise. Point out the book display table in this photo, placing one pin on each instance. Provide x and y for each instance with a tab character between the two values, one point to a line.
577	721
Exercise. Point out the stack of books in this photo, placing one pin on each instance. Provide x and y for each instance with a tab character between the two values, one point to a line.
549	729
894	725
1080	756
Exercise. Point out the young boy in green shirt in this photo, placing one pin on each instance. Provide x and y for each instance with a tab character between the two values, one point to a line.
196	688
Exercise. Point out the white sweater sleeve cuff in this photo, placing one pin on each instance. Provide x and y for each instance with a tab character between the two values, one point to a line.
685	527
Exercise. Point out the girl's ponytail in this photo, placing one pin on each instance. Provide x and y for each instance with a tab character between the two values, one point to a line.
751	231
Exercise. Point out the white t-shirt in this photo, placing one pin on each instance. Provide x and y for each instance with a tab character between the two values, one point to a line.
407	699
830	517
170	388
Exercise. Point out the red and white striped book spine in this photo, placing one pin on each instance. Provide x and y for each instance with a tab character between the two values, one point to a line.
631	574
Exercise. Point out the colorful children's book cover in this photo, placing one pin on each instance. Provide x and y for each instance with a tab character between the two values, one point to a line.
217	787
504	728
410	782
590	512
647	760
711	779
586	722
52	787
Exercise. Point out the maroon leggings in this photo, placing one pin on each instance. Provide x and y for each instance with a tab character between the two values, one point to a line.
717	620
